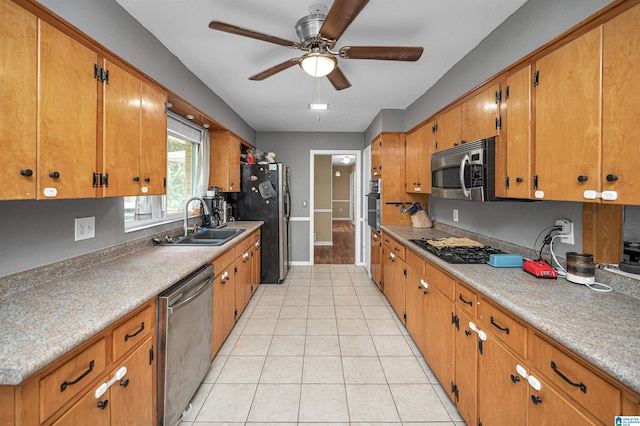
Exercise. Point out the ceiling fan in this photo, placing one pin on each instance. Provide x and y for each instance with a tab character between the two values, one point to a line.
318	33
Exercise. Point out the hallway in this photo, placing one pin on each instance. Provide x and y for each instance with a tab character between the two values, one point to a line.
324	348
343	250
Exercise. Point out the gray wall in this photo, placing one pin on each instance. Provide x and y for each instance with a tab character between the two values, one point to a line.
293	149
387	120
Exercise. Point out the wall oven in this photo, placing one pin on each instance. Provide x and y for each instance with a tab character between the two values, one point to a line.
465	172
373	204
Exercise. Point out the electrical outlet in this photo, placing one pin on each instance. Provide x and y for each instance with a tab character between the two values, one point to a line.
455	215
566	232
85	228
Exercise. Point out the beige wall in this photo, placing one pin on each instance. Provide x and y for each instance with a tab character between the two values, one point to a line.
322	199
341	192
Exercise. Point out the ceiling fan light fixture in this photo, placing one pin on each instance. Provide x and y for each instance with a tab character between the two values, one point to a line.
317	64
318	106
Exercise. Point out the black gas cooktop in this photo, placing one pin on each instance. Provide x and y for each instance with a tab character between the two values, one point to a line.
460	255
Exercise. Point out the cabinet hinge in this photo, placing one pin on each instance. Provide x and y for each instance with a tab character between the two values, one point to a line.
499	123
151	355
434	128
404	316
105	76
96	180
436	144
104	180
506	182
535	182
97	72
455	320
480	345
479	422
235	313
235	270
455	391
165	182
506	93
404	272
536	78
498	96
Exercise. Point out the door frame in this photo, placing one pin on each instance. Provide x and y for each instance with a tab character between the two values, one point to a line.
358	197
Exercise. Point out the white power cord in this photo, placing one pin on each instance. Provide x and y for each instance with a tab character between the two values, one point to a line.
596	286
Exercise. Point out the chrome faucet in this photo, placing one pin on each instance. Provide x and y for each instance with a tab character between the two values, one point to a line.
205	211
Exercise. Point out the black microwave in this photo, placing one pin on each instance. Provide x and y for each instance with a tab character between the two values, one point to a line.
465	172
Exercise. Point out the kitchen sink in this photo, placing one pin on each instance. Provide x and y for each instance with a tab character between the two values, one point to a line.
209	237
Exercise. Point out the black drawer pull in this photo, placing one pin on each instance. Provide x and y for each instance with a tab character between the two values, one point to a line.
582	386
64	385
54	175
583	178
467	333
128	336
505	329
536	399
519	180
124	383
612	178
147	180
466	302
103	404
26	172
515	379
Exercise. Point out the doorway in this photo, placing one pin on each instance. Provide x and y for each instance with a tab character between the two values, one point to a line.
335	206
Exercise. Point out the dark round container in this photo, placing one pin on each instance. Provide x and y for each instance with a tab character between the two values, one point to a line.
580	265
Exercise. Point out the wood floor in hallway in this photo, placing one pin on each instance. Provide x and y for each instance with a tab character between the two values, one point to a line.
343	249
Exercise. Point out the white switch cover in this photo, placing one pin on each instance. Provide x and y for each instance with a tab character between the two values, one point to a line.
85	228
455	215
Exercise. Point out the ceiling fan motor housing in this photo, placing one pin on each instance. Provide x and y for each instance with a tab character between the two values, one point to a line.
308	28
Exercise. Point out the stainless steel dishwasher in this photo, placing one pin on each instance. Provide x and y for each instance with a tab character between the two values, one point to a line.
185	313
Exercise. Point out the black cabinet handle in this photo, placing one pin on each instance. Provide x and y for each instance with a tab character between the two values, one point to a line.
519	180
582	386
54	175
136	179
583	178
536	399
124	383
612	178
129	336
467	333
466	302
505	329
103	404
26	172
147	180
515	379
64	385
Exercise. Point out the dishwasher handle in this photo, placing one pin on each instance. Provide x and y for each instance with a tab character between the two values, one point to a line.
205	276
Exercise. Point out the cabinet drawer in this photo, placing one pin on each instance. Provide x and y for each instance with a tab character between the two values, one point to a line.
503	326
440	280
466	299
86	411
133	331
578	381
223	261
244	246
394	247
415	262
70	378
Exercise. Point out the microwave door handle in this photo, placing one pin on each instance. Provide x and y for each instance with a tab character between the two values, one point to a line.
465	160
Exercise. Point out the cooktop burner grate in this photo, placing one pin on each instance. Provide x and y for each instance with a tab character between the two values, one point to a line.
459	255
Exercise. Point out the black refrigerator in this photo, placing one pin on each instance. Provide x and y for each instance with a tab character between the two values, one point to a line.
264	195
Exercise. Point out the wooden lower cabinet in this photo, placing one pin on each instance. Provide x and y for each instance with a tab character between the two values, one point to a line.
376	259
89	410
439	336
244	275
224	300
466	369
547	407
393	271
415	292
256	266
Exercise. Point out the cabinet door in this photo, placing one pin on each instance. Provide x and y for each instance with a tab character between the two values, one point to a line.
376	159
414	295
18	73
234	164
502	393
243	281
376	259
548	408
121	130
132	398
448	129
88	410
479	115
517	107
224	306
568	145
439	336
67	116
153	141
466	375
225	161
621	103
418	160
393	270
255	279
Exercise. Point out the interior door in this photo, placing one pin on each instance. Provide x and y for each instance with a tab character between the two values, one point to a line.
362	220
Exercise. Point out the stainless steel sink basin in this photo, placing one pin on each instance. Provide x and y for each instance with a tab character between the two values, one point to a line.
210	237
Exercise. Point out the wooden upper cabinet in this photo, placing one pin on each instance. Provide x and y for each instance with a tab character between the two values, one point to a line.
621	103
516	136
18	68
447	129
418	160
376	158
479	115
568	122
153	141
225	161
67	117
121	132
135	135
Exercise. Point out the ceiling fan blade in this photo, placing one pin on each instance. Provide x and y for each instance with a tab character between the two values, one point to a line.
274	70
340	16
232	29
338	79
385	53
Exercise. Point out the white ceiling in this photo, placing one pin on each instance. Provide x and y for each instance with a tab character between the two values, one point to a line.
447	30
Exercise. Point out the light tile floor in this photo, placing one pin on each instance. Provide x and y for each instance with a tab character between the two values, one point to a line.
322	348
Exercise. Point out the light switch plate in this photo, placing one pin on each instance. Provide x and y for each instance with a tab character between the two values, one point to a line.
85	228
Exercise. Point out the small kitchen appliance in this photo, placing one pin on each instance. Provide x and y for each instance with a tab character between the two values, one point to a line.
581	268
539	269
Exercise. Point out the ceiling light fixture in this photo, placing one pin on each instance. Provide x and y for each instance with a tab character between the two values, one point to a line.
317	64
345	160
318	106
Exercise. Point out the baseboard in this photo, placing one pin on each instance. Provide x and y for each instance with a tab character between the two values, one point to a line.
323	243
301	263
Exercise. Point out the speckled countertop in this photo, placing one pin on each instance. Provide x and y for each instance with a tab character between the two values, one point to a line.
42	323
602	328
